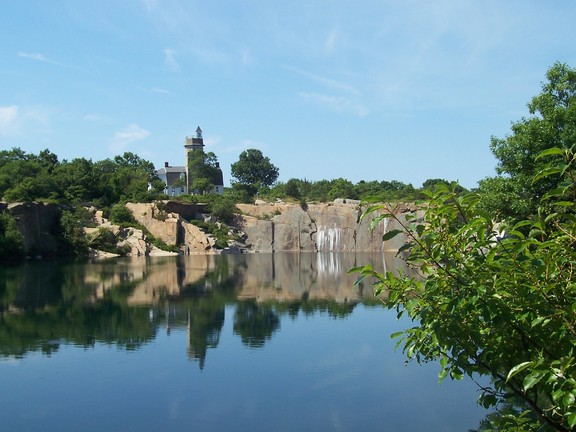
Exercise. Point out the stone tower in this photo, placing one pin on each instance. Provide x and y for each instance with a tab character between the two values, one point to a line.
192	143
196	143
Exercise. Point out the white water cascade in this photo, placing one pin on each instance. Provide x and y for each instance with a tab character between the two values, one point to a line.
328	239
385	223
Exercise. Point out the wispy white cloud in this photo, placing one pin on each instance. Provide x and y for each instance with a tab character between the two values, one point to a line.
150	5
170	60
212	141
328	82
426	49
242	145
245	57
35	56
8	119
157	90
196	34
335	103
39	57
16	121
331	41
124	137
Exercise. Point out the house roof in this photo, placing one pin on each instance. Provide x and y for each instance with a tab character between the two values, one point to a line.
171	169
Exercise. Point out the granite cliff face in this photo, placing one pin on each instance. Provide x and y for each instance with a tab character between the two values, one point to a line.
39	225
278	227
335	227
260	227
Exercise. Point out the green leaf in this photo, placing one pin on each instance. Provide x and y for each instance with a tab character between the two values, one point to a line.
572	419
442	375
568	399
405	246
531	380
546	172
549	152
519	368
391	234
376	221
457	375
487	400
556	192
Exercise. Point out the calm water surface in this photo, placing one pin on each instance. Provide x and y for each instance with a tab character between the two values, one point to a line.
260	342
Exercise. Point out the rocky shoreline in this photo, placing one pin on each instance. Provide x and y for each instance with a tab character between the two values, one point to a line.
261	227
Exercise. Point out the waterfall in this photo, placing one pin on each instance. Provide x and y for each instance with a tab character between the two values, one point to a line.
328	239
385	223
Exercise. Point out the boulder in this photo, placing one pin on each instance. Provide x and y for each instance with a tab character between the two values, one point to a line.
171	227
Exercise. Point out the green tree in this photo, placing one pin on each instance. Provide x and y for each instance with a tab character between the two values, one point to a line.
254	169
133	177
319	191
26	177
516	192
488	305
76	180
292	188
432	183
342	188
11	240
204	171
243	193
501	306
222	208
120	214
72	224
201	185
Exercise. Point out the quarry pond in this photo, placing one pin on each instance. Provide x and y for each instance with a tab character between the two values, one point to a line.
252	342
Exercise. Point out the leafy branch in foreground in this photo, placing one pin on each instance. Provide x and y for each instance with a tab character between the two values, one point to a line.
495	304
488	304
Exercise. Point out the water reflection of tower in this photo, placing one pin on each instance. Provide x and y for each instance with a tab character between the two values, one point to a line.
204	324
192	354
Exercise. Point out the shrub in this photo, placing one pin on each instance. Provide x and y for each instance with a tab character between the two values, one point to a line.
11	240
106	241
223	208
119	213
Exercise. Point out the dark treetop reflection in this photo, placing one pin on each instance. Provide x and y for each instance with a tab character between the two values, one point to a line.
282	342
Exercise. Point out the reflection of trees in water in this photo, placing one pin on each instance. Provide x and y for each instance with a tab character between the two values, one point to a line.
512	415
255	323
43	305
46	304
309	307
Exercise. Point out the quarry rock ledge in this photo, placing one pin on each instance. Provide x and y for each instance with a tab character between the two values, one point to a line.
262	227
324	227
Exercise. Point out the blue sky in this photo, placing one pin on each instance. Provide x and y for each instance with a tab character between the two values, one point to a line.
365	90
